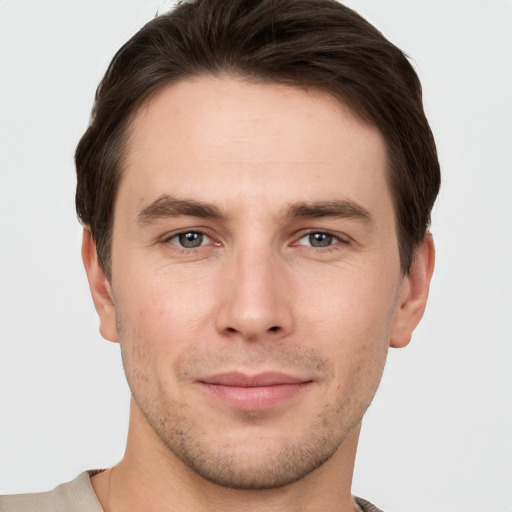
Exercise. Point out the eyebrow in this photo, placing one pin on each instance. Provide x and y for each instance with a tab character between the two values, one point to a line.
343	209
169	206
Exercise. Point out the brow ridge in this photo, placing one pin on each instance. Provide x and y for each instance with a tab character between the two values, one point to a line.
342	208
169	206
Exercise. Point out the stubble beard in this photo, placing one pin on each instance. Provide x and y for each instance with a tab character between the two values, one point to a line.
246	465
269	466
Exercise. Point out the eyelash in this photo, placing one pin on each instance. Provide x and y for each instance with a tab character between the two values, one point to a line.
168	239
335	240
334	245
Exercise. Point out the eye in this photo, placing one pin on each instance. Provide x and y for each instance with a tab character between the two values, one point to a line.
318	239
190	239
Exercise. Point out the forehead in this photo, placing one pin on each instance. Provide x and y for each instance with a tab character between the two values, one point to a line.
228	133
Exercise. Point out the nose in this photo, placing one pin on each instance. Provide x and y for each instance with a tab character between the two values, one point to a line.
255	297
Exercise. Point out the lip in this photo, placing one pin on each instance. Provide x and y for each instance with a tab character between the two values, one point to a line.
253	392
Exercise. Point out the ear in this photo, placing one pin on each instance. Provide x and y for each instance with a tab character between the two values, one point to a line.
99	285
414	294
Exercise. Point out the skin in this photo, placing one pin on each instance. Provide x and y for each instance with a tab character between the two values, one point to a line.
295	270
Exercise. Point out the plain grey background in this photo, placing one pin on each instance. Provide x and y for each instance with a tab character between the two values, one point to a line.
438	434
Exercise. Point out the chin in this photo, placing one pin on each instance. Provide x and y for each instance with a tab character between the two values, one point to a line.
253	455
261	467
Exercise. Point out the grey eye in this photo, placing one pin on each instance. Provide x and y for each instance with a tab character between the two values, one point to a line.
190	240
320	239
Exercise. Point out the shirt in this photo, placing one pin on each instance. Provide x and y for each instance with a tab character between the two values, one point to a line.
78	496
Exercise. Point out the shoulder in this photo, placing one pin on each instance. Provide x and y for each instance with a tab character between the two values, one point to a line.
366	506
75	496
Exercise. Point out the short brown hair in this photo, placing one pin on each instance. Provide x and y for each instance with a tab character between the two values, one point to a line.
306	43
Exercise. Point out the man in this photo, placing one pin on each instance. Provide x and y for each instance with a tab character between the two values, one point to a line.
255	188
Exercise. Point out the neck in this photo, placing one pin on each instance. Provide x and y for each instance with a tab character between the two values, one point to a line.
151	478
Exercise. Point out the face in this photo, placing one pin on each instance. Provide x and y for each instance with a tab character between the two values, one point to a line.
256	282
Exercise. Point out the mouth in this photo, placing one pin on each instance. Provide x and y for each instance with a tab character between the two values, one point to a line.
253	392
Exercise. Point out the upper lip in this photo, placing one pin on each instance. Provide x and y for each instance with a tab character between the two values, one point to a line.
238	379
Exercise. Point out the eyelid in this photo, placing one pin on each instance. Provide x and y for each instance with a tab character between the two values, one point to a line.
166	239
331	232
340	237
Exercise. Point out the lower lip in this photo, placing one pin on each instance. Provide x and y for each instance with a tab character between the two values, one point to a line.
254	398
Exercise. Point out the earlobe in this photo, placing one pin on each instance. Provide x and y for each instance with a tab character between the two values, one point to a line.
414	294
99	285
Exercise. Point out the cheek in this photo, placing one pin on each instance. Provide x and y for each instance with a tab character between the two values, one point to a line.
351	303
351	320
165	301
162	319
164	309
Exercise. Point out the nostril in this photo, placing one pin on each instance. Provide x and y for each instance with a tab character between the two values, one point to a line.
274	329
